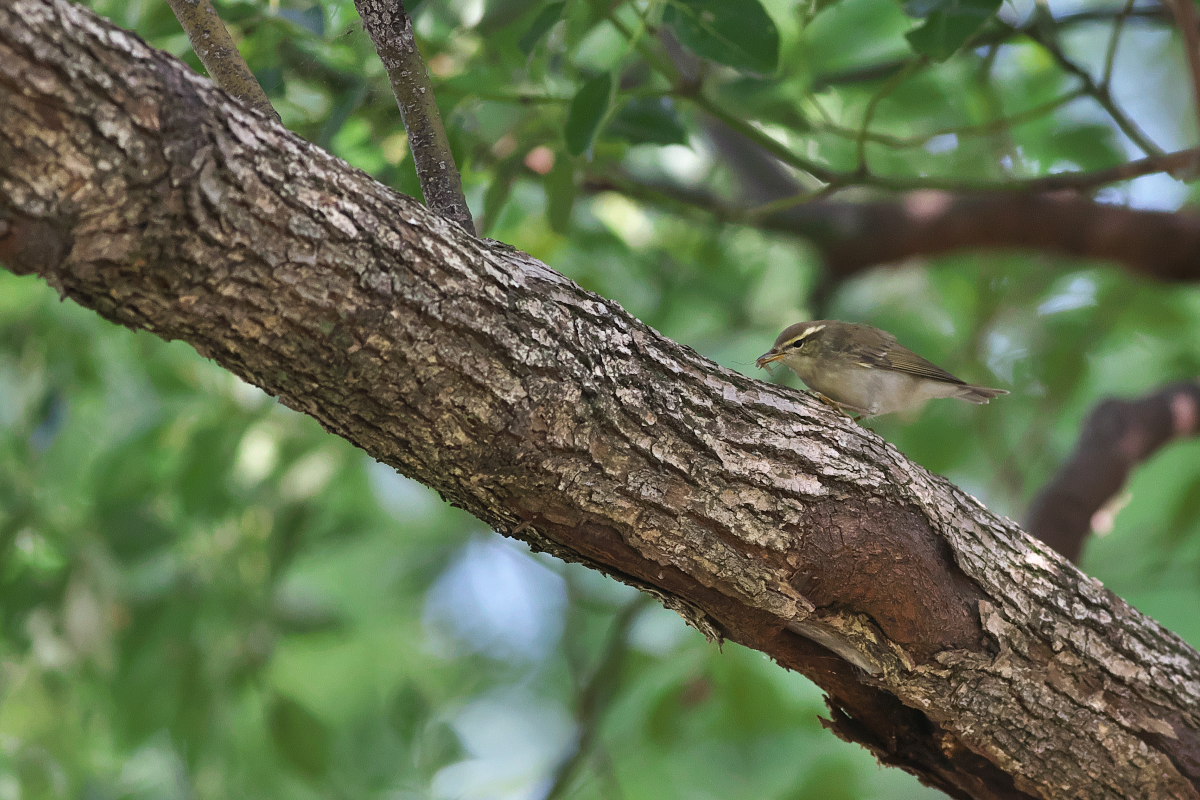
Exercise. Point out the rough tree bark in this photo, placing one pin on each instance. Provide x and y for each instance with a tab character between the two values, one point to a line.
950	643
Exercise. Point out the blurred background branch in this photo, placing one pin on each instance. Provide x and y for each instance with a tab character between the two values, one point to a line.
1116	437
595	696
855	236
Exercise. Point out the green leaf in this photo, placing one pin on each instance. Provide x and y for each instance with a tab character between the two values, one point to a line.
545	20
301	738
949	24
409	711
560	195
815	7
589	108
499	15
1089	145
648	120
498	191
738	34
348	102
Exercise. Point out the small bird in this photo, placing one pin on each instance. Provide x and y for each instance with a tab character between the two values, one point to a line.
865	372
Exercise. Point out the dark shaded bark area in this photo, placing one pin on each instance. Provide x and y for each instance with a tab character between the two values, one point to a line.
950	643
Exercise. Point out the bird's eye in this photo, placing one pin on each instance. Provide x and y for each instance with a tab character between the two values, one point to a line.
796	345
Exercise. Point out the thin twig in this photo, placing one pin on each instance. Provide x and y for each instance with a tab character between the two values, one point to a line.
991	126
852	236
391	30
594	696
1006	153
216	50
1183	164
782	204
1098	92
765	140
1189	26
1157	161
884	92
661	63
1114	40
1178	163
686	90
1002	123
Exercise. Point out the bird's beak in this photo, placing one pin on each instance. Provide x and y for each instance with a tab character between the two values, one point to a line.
767	358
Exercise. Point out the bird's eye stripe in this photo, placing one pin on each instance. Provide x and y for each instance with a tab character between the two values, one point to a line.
802	338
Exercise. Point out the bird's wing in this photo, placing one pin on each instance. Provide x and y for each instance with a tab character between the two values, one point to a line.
900	359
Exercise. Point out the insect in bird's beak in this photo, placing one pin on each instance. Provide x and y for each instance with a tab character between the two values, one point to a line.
766	358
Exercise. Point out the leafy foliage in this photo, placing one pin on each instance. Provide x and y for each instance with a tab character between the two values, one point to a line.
205	595
589	109
740	35
947	24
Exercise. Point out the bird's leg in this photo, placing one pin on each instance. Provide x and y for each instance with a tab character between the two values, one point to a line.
853	412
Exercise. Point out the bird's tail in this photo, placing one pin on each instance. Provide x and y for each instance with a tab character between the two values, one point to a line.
979	394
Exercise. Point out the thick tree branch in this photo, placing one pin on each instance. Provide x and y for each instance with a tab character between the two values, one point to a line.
391	29
856	236
216	49
1117	436
853	237
949	642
